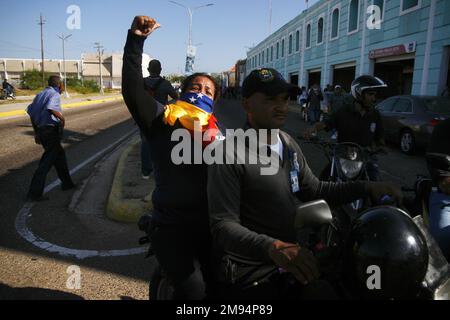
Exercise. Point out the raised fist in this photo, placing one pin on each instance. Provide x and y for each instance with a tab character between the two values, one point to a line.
144	25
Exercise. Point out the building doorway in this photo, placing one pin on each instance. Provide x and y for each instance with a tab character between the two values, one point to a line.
314	77
398	75
293	79
344	76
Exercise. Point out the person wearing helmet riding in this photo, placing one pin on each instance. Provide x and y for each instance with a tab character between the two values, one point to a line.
357	121
438	160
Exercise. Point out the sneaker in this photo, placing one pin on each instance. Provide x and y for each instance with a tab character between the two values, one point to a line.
145	177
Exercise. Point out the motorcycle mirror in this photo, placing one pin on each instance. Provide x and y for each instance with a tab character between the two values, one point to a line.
312	214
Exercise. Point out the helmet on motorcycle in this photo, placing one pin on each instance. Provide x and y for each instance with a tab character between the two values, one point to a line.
366	82
438	153
387	255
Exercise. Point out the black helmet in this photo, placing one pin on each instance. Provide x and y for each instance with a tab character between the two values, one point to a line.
386	240
438	153
366	82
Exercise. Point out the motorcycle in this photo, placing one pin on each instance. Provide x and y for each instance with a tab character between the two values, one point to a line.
5	95
347	162
331	242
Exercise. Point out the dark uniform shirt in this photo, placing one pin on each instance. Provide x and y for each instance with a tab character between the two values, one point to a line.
354	127
249	210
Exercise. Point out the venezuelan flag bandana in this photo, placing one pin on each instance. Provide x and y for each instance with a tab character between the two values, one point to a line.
198	109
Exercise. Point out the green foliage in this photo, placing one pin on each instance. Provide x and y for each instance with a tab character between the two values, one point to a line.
83	87
32	80
175	78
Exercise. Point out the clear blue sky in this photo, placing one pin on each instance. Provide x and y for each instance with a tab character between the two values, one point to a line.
224	30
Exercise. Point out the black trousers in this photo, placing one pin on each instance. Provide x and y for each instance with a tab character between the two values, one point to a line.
184	253
54	155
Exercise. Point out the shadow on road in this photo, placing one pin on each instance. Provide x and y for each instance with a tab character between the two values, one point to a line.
9	293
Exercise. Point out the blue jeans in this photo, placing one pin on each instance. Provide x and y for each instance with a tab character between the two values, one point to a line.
314	115
146	161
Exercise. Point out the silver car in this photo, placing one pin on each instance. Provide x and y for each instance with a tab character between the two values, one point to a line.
409	120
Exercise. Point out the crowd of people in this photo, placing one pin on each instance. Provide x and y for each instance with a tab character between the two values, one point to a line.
212	222
218	228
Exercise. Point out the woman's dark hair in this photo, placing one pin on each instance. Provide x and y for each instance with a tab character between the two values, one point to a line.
188	81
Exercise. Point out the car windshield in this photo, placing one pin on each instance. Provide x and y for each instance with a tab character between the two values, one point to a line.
438	105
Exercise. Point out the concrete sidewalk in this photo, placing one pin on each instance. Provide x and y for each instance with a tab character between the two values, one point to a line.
130	194
18	109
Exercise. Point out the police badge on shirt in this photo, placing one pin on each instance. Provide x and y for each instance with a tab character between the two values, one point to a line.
373	127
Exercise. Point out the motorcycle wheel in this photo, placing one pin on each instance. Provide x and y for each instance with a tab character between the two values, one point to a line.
160	288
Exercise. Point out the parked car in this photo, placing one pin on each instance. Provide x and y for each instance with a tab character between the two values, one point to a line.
409	120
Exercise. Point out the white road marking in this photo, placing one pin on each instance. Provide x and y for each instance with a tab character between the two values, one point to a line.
27	234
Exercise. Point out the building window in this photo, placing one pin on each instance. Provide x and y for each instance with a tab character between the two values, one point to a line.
267	55
271	53
290	44
380	4
262	62
353	16
409	5
335	24
278	50
308	36
320	31
282	48
297	41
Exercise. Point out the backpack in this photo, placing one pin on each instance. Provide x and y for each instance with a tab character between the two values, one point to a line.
152	89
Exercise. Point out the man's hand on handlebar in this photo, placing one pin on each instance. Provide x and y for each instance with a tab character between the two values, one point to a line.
296	260
379	190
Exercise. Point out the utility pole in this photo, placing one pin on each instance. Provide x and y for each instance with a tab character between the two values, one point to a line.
41	23
100	50
191	52
66	93
270	17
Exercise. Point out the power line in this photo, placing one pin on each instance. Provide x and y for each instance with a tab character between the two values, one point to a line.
64	38
100	50
41	23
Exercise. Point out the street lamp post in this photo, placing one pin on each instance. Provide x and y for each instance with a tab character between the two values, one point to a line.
190	12
64	38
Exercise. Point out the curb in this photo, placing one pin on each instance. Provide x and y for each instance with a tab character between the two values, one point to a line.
64	106
118	208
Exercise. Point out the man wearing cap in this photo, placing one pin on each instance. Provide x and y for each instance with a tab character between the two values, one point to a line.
252	214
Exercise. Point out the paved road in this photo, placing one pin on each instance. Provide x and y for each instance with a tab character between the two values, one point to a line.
30	272
27	271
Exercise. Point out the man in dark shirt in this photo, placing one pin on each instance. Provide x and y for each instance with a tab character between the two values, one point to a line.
252	214
358	121
159	88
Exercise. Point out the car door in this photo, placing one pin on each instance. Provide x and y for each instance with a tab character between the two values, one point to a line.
402	115
386	109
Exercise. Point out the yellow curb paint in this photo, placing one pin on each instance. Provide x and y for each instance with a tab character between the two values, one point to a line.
118	208
64	106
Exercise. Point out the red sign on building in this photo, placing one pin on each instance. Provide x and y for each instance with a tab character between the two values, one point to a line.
393	51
